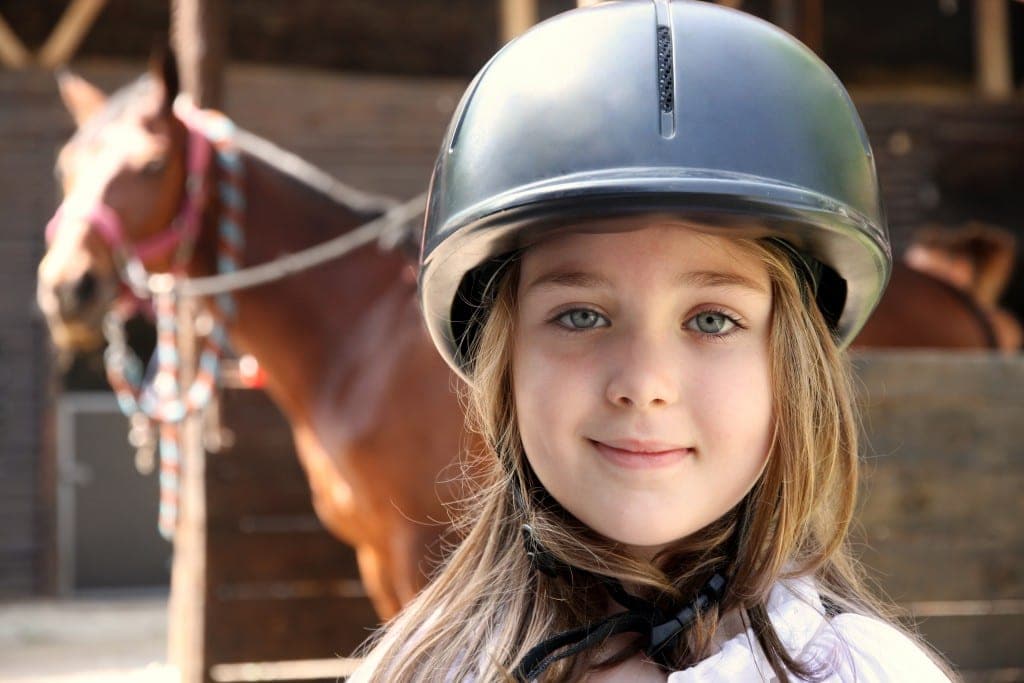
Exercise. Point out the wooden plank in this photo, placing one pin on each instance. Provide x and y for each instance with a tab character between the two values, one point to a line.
941	503
246	557
303	628
942	484
263	452
295	671
978	643
248	499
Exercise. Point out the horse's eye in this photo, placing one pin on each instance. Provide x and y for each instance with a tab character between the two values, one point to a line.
155	166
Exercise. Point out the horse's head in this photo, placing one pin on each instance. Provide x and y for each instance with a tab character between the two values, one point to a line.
123	177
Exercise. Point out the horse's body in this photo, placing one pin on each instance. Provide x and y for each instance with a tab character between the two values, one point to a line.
349	363
921	311
375	419
346	357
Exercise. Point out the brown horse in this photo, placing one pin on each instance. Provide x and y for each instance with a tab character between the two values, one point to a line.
347	358
919	310
345	353
945	292
977	259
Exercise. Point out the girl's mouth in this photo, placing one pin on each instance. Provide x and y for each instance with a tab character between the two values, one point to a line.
633	454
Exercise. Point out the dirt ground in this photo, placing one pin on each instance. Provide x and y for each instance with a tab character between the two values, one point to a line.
109	638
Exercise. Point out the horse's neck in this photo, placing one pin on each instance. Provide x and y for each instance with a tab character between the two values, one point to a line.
299	328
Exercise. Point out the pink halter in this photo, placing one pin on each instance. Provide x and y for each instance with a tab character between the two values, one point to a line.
185	226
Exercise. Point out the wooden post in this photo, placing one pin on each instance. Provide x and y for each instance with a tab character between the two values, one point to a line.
516	17
812	25
199	36
186	631
993	61
784	14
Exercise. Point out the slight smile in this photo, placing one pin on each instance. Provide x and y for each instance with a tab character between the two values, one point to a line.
633	454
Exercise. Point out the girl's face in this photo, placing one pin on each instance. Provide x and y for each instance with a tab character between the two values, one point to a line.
641	378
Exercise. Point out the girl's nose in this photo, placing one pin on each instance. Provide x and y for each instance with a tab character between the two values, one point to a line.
645	375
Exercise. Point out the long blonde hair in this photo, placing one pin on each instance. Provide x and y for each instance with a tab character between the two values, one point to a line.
488	605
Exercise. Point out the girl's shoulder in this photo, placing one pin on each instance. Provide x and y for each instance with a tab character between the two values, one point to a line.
847	648
865	649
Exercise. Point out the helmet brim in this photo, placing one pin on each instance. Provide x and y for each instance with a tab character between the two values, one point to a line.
731	205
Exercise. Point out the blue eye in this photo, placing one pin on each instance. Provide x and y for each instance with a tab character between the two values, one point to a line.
711	322
582	319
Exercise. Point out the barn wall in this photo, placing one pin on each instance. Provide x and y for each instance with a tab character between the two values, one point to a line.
29	132
865	41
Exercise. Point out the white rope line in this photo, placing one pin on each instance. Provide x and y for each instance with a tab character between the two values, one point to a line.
299	169
305	259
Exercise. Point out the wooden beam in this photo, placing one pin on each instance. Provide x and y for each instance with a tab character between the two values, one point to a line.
785	15
199	36
65	38
13	53
993	65
186	633
812	25
516	17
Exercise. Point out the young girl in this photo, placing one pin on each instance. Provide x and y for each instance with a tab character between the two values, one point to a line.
653	226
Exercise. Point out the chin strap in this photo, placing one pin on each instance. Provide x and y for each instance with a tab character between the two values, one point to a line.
660	630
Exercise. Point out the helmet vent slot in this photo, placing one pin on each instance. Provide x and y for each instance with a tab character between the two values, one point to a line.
665	81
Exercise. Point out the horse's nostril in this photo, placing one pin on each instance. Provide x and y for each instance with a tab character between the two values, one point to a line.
85	288
72	297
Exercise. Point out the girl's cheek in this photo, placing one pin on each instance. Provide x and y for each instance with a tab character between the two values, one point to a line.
730	380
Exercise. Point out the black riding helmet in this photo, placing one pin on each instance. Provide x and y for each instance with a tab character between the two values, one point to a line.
684	110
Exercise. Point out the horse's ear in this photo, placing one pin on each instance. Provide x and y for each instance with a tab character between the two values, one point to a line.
163	67
82	98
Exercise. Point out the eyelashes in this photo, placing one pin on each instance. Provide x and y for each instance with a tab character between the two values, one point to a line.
569	319
710	322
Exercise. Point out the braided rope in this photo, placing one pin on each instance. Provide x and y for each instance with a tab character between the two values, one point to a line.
161	400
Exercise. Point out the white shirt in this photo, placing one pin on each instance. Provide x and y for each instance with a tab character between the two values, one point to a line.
847	648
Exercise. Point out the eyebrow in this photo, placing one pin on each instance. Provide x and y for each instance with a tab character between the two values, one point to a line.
693	278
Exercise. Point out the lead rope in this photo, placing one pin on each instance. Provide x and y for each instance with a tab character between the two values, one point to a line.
161	400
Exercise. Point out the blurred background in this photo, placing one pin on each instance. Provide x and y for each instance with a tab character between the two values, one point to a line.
364	91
